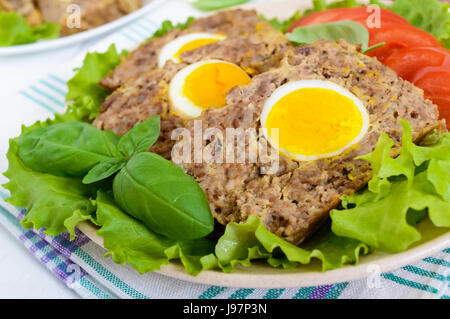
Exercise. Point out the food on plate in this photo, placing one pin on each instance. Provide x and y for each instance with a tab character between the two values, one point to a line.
93	13
351	155
395	33
251	44
27	21
295	201
244	30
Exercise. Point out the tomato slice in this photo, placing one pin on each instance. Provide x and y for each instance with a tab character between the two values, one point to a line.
436	85
408	62
398	37
358	14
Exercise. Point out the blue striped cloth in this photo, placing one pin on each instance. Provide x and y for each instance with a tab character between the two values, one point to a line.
80	263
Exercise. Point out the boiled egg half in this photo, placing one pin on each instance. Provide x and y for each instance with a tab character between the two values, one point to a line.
202	85
311	119
173	49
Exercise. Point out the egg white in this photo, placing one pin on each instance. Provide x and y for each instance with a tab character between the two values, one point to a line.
293	86
169	51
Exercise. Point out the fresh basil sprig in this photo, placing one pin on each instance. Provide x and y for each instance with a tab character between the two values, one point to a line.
147	186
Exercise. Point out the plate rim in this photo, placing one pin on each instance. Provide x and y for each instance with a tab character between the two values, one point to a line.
285	279
61	42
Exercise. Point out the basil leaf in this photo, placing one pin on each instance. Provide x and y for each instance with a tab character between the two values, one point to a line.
163	197
104	170
140	138
209	5
67	149
352	32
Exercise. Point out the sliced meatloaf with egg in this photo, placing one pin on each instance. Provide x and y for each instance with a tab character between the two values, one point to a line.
251	43
296	200
245	25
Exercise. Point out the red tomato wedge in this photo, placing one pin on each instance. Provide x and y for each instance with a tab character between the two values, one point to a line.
397	37
436	85
359	14
408	62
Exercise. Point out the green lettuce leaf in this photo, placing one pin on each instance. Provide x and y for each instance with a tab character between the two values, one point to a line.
242	243
51	202
14	30
283	25
84	87
129	241
54	203
167	26
417	180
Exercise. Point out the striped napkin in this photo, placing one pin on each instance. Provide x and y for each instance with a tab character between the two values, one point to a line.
80	263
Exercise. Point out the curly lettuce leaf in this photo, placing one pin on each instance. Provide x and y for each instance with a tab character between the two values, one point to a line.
167	26
283	25
84	87
242	243
385	215
129	241
54	203
14	30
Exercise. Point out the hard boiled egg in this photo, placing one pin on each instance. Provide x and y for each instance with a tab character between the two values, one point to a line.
188	42
315	119
202	85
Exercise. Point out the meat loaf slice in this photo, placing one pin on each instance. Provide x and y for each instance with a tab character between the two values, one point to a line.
296	200
257	49
232	23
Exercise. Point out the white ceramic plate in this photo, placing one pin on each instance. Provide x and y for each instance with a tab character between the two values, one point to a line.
82	36
260	275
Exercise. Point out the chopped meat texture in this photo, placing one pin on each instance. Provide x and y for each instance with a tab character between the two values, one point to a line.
145	93
242	26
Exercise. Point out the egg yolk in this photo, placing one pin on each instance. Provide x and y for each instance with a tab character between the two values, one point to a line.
192	45
210	83
314	121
